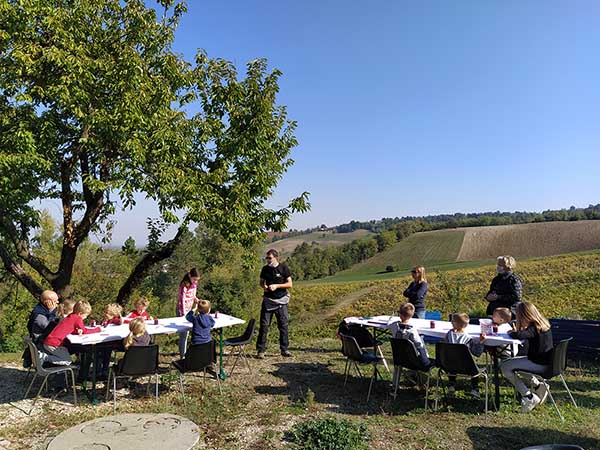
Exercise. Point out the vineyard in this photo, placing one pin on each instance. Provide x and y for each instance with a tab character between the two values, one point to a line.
561	286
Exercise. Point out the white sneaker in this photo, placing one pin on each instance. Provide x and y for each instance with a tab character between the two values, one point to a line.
527	404
541	390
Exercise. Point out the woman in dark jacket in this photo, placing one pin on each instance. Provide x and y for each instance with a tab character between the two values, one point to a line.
417	290
506	288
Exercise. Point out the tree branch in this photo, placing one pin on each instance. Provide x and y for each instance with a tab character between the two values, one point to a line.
23	251
94	201
17	271
148	260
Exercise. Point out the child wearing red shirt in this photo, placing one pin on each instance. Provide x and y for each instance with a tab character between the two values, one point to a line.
72	324
140	305
112	315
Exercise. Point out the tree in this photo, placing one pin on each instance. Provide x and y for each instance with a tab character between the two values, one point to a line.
97	110
129	248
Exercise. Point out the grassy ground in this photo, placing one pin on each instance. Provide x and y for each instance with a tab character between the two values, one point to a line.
287	246
257	410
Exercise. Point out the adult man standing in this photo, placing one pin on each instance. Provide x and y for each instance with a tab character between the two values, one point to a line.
275	279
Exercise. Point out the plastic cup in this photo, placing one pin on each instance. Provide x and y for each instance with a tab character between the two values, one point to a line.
216	314
155	321
93	323
495	329
432	324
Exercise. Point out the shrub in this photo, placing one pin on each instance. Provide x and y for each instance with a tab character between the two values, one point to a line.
389	268
330	434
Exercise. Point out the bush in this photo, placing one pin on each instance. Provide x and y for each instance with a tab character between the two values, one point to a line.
389	268
330	434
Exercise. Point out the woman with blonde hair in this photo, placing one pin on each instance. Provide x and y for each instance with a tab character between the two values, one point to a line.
506	288
533	327
417	290
138	335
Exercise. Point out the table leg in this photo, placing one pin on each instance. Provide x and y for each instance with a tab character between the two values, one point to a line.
95	364
222	375
496	381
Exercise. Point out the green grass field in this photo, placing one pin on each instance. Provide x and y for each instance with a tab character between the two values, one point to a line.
286	246
433	249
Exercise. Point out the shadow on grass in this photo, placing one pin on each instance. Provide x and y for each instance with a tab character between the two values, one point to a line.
14	383
514	438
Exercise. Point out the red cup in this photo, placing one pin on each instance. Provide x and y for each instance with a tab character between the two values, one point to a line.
432	324
495	329
216	314
155	321
93	323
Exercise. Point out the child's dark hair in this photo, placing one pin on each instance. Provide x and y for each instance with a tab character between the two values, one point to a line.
187	278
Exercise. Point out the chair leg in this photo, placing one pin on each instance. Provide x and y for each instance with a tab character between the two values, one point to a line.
148	385
108	383
246	359
427	392
114	393
555	406
235	361
346	371
437	391
568	391
156	386
74	388
371	383
44	383
397	372
30	385
358	370
181	387
219	384
486	392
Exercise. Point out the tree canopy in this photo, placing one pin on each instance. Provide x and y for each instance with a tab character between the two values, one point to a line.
96	110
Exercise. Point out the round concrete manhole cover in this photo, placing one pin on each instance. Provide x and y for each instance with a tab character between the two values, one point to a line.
130	432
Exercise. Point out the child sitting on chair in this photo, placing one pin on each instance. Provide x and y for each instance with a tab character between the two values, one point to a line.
112	315
140	305
138	335
64	308
457	335
404	330
54	344
501	316
202	322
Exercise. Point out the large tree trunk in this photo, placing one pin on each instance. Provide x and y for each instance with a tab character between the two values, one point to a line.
140	271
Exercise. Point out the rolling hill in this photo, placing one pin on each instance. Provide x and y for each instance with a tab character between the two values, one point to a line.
471	247
286	246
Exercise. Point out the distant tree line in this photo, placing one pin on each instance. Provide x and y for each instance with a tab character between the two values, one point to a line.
311	261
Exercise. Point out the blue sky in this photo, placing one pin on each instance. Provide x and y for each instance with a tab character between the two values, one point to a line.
422	107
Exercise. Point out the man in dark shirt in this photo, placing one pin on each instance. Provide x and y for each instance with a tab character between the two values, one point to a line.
275	279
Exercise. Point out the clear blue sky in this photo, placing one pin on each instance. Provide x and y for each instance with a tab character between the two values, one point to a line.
422	107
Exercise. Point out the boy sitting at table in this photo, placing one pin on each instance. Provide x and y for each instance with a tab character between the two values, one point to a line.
202	322
404	330
112	315
501	316
457	335
54	344
140	305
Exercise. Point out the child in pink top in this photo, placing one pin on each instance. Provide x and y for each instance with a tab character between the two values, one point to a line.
185	303
72	324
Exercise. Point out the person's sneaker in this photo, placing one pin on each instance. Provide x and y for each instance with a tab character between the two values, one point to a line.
451	391
260	355
541	390
286	354
475	393
527	404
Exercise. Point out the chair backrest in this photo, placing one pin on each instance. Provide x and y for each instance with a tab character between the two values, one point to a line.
455	359
363	336
140	360
36	363
433	315
249	333
559	359
350	348
199	356
405	354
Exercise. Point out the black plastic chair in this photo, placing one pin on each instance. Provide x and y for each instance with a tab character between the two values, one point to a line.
355	356
240	343
556	369
40	370
405	356
198	358
366	340
554	447
456	359
138	361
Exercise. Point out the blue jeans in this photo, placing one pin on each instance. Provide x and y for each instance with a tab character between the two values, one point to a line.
419	313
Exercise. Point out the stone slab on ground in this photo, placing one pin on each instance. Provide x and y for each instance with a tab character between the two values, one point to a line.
130	432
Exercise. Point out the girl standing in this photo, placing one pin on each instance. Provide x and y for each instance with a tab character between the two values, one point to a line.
187	298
